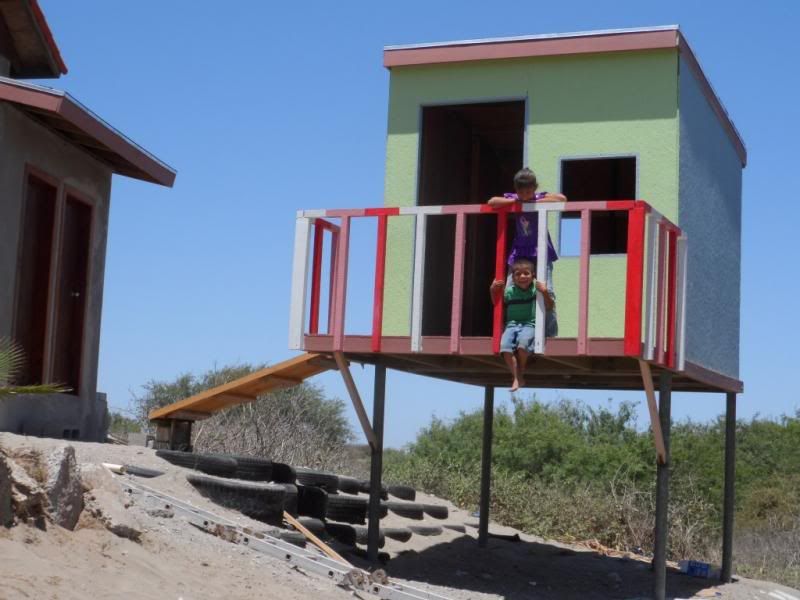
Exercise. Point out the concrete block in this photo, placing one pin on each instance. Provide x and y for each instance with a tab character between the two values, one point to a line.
63	486
108	509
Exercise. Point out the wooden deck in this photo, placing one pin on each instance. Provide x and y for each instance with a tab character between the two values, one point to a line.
605	366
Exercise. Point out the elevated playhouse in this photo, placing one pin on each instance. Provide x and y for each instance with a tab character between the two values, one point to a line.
627	126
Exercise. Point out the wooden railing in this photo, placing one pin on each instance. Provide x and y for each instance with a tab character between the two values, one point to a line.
654	296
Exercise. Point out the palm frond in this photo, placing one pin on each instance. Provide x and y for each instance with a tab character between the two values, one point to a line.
45	388
12	359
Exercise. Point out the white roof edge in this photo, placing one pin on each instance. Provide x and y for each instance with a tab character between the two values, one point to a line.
543	36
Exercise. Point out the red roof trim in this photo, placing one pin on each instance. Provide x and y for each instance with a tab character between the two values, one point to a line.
61	104
544	46
41	21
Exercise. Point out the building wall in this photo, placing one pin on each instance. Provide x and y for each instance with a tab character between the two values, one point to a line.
711	216
24	142
604	104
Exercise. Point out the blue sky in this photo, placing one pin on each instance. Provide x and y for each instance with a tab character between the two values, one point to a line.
264	108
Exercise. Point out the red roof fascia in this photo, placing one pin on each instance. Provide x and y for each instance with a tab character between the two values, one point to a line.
48	36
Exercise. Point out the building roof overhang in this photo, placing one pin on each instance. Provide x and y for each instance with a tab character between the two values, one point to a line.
28	41
586	42
68	118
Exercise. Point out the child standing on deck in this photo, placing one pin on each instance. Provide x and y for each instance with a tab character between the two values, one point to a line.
520	316
525	244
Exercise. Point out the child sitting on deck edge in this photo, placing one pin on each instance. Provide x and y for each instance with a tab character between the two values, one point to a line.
526	234
520	316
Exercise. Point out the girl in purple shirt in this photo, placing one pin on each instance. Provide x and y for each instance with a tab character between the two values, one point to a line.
525	244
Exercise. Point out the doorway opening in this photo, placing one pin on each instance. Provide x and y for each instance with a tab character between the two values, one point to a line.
33	277
70	298
468	153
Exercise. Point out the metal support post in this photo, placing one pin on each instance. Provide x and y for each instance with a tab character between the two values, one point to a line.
486	466
376	465
662	490
729	501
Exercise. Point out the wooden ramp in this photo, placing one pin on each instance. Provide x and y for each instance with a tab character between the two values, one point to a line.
245	389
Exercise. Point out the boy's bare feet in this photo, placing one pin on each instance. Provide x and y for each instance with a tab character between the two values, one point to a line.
515	385
520	381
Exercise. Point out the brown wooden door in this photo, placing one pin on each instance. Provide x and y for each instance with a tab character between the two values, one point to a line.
71	293
33	277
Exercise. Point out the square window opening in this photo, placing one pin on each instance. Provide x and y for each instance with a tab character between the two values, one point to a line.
590	179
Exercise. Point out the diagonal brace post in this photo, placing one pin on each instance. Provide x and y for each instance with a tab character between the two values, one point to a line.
344	369
655	423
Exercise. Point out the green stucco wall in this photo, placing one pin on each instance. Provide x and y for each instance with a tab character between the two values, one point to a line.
578	106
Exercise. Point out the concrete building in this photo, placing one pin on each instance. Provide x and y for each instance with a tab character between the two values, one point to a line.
58	158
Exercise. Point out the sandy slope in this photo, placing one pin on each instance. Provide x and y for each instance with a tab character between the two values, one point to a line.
175	560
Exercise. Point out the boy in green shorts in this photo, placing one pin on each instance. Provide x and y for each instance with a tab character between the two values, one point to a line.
520	315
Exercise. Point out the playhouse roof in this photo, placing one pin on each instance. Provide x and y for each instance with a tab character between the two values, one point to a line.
68	118
585	42
29	43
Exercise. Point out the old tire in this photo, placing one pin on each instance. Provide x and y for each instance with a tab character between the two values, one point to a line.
399	534
312	501
437	511
426	529
327	481
362	536
315	526
349	485
293	537
363	486
344	534
253	468
348	509
290	502
404	492
406	509
455	527
260	501
205	463
283	473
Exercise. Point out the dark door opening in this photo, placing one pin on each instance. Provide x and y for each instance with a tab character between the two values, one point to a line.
33	277
469	152
602	179
71	293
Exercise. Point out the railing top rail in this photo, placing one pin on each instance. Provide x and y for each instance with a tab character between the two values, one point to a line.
471	209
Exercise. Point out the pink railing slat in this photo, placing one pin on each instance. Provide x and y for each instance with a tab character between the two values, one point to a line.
672	282
583	282
340	291
458	283
380	272
662	245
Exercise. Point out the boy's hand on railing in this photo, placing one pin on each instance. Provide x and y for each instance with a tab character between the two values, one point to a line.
496	290
541	287
552	197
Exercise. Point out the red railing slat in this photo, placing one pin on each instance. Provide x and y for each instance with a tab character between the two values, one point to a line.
499	273
634	279
316	277
660	289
